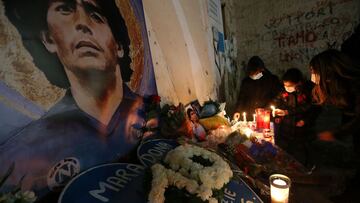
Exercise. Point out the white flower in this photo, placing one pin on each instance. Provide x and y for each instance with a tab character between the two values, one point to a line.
159	184
185	173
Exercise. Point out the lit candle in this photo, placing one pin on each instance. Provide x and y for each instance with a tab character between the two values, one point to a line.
273	110
254	118
279	188
244	116
248	132
266	119
259	118
236	116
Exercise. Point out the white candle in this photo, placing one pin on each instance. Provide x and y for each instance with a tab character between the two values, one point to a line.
279	182
248	132
236	116
254	118
244	116
279	188
273	110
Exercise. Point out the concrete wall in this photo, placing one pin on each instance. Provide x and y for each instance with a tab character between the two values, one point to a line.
180	35
288	33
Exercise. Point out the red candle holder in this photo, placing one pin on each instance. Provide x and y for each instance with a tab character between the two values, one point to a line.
262	118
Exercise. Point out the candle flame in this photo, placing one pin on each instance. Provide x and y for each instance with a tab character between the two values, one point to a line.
279	182
248	132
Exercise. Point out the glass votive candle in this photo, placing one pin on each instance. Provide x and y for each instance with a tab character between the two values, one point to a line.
279	188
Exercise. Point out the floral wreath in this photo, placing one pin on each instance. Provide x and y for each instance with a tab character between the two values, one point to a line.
192	168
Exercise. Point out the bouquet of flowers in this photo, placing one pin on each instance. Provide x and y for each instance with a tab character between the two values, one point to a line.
174	123
152	112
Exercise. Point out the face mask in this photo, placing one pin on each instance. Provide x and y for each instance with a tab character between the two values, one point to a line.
257	76
314	79
290	89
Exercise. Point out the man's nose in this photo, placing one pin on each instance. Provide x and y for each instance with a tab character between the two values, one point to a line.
82	21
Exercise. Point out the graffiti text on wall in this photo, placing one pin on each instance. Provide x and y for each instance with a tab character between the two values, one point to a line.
301	34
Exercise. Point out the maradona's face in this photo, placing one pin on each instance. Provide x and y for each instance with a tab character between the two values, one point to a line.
80	35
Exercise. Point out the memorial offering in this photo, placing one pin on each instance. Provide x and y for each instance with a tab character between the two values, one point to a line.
259	156
155	151
279	186
189	173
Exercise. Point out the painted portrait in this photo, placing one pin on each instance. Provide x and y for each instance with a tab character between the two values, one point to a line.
72	84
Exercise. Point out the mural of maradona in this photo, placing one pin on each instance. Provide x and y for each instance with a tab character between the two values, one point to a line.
98	52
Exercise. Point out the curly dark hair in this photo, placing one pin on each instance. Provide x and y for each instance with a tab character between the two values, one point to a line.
29	17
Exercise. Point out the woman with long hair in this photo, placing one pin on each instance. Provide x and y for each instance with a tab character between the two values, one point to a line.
337	80
337	83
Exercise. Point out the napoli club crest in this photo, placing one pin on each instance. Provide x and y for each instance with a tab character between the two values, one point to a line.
62	172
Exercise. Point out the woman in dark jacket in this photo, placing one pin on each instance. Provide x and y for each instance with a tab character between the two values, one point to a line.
337	82
258	89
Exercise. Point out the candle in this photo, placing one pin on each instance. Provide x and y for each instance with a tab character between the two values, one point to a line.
236	116
279	188
266	119
254	118
259	118
248	132
244	116
273	110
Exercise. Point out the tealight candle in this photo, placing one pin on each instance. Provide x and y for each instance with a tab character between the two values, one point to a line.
244	116
273	110
236	116
279	188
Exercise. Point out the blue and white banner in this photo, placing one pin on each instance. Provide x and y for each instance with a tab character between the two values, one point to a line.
112	183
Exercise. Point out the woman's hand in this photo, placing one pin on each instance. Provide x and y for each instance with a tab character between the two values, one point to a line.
300	123
326	136
281	112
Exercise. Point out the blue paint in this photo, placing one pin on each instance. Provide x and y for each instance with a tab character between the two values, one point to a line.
221	43
11	119
17	99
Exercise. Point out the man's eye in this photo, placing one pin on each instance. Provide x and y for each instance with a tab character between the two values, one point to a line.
64	9
98	17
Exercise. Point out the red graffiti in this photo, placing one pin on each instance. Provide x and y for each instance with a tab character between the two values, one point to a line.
322	8
291	40
289	56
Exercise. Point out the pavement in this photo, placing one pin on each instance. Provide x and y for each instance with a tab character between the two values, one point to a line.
335	166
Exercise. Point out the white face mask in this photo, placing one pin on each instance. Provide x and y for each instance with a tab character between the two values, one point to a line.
315	78
290	89
257	76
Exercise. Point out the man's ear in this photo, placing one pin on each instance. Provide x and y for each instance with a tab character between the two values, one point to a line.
48	42
120	51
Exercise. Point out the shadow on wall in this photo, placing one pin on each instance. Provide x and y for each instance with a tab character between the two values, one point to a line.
230	87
